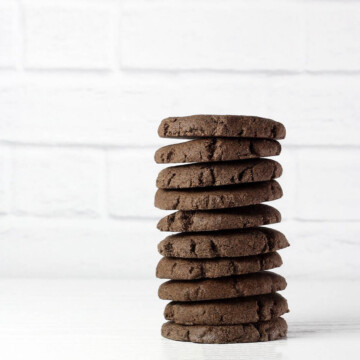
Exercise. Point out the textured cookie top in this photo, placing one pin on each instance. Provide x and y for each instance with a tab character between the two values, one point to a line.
191	269
218	174
221	125
217	149
224	219
230	243
218	197
227	312
264	282
223	334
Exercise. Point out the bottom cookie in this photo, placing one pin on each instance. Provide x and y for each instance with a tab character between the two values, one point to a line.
253	332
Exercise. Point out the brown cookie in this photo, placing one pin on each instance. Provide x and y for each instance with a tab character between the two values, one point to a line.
264	282
231	243
217	149
224	219
227	312
218	197
243	333
221	125
191	269
218	174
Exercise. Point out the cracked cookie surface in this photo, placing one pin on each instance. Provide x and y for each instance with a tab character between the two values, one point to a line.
218	197
223	219
227	312
217	149
191	269
218	174
230	243
221	125
243	333
264	282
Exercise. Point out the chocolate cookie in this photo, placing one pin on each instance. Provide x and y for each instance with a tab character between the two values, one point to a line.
224	219
264	282
243	333
227	312
218	174
217	149
184	269
219	197
231	243
221	125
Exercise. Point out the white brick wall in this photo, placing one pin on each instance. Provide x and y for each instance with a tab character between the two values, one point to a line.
68	36
84	84
4	180
7	35
56	182
337	184
205	35
330	46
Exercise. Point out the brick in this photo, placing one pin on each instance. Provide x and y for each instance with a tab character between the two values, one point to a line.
147	100
158	102
69	37
7	35
194	35
131	176
11	110
316	110
332	41
56	182
4	180
54	110
81	248
328	187
320	250
288	182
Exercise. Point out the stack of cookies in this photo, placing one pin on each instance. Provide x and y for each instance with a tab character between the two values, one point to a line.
220	288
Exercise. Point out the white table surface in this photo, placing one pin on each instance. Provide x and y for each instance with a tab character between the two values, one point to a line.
121	319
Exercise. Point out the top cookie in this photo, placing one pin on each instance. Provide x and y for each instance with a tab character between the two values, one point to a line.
221	125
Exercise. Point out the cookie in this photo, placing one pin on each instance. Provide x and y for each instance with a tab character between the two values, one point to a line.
243	333
231	243
224	219
192	269
218	174
217	149
227	312
221	125
219	197
264	282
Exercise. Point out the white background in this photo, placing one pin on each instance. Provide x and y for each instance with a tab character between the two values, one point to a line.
84	84
83	87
